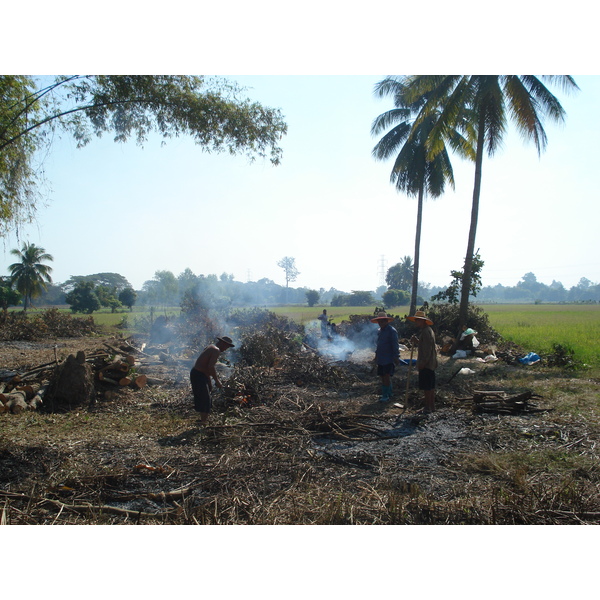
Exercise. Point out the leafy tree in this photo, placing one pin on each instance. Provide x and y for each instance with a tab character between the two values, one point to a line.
396	298
108	297
127	297
481	105
162	288
83	298
30	275
108	280
415	172
360	298
32	114
312	297
400	275
8	295
452	293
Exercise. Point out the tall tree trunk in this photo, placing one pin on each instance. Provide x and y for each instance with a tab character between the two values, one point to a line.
466	280
415	277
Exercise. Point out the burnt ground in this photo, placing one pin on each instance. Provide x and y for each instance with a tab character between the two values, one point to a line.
304	441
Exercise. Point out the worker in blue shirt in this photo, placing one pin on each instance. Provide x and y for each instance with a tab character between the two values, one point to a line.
387	353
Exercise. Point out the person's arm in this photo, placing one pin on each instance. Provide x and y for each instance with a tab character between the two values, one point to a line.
395	348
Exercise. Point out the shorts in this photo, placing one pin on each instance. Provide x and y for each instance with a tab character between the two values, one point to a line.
201	391
426	379
386	369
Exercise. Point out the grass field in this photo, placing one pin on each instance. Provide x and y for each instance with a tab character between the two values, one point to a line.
536	327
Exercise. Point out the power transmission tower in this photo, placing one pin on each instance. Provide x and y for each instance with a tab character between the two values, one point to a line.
381	271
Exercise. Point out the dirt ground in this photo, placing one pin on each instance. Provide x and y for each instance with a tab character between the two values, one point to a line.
305	441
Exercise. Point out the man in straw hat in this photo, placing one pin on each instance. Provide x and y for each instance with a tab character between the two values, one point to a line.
387	353
426	358
201	373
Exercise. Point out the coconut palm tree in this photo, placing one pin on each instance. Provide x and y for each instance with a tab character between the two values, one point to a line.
30	275
416	171
485	103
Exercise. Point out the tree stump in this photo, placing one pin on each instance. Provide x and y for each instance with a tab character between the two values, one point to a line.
73	384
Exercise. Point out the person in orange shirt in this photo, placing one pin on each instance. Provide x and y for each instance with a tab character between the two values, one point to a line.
201	374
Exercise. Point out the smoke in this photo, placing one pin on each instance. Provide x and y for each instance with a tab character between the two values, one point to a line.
358	345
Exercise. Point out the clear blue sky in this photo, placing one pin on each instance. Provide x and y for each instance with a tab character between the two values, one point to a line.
120	208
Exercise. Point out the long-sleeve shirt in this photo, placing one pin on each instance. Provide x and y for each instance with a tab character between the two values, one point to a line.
426	351
387	351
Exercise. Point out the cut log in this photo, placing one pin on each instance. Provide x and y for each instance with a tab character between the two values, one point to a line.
35	402
140	381
125	381
16	403
28	390
105	379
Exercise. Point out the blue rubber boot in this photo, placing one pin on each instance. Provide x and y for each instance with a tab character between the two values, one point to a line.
386	393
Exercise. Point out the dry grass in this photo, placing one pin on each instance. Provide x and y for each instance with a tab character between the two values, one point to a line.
309	445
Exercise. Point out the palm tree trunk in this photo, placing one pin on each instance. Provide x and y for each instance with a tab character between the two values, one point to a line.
466	280
415	278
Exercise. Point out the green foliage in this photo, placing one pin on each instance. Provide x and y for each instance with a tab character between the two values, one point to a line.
83	298
127	297
108	280
396	298
8	295
30	275
312	297
210	111
356	298
400	276
446	319
452	292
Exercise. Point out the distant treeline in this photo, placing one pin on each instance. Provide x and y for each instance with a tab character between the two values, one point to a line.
166	289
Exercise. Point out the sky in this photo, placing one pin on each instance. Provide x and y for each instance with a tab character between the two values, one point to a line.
120	208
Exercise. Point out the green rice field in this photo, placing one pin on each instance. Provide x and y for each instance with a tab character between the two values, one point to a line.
536	327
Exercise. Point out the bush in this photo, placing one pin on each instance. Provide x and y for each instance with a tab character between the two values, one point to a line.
265	337
50	323
446	321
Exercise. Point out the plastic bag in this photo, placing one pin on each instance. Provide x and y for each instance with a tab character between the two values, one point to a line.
529	359
466	371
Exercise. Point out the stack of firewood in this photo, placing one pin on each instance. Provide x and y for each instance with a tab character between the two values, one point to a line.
16	397
502	403
116	367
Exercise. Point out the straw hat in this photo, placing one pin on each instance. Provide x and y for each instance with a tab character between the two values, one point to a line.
420	316
381	316
226	340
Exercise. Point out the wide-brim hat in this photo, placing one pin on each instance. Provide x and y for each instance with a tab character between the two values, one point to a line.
226	340
381	316
420	316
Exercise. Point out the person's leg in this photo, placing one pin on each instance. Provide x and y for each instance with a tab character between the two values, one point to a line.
386	384
202	398
429	397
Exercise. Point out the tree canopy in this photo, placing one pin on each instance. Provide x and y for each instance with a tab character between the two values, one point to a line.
30	275
32	113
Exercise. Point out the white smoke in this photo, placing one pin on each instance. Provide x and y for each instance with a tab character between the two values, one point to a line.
334	346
